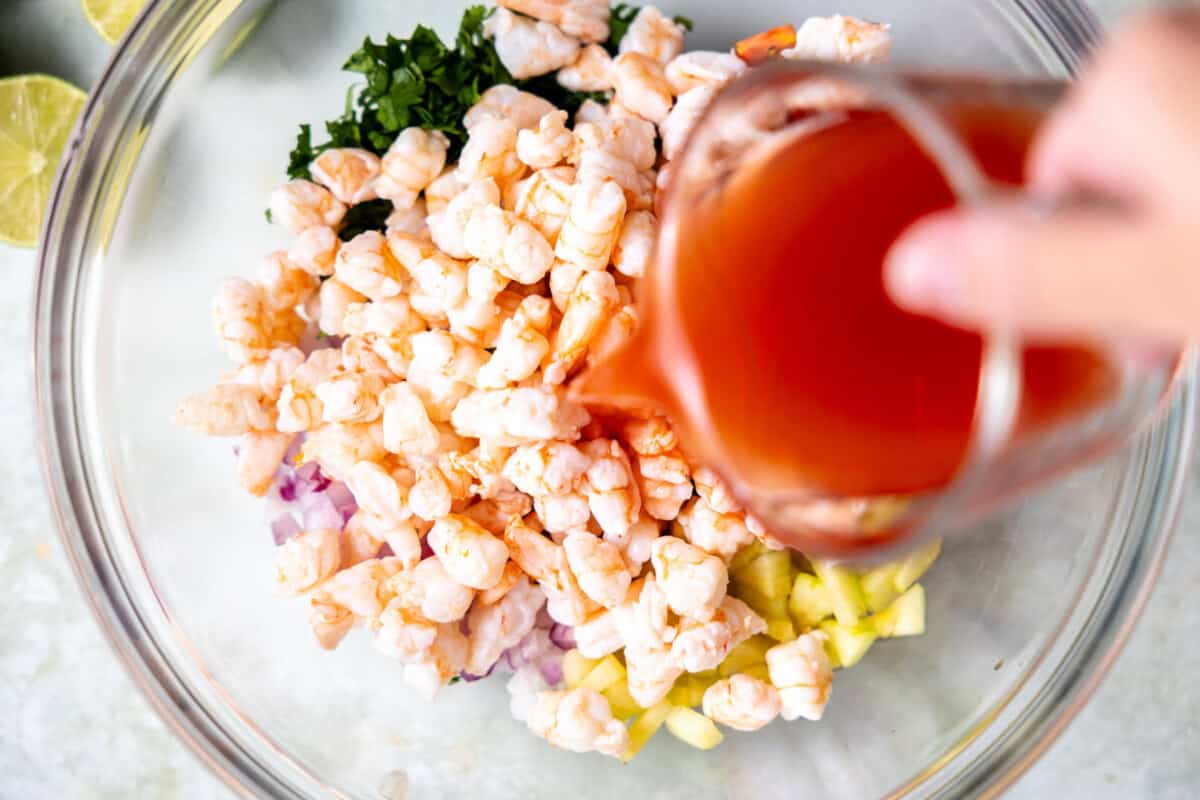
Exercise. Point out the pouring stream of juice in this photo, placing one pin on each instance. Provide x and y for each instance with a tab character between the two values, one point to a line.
775	349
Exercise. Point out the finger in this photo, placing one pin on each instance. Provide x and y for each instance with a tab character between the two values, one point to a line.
1129	118
1073	275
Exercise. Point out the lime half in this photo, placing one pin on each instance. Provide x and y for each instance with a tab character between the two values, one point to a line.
111	18
37	113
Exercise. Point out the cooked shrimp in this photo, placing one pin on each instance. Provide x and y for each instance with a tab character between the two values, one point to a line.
546	468
510	244
407	429
299	408
801	671
584	19
579	720
430	498
651	674
742	702
334	298
247	326
593	225
348	172
523	415
449	227
544	200
350	397
701	646
610	489
529	48
703	68
547	145
598	635
227	409
654	36
497	627
664	482
362	588
470	554
378	491
414	160
258	459
337	447
840	38
299	205
693	581
505	101
428	588
642	86
307	559
443	189
722	535
491	152
598	567
521	346
678	125
591	71
633	249
285	285
366	265
314	250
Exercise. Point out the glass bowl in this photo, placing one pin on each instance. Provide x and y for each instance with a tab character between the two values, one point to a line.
163	193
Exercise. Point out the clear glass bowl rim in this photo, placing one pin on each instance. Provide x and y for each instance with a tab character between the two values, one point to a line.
87	193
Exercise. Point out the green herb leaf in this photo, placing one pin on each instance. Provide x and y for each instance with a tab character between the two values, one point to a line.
684	22
619	21
369	216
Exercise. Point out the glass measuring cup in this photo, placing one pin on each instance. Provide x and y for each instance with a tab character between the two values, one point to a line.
1011	437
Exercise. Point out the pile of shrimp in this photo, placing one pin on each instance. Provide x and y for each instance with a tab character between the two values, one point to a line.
486	497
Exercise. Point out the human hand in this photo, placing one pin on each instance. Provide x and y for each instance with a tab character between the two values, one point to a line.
1129	133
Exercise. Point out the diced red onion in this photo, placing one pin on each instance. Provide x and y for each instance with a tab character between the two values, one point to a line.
563	637
544	620
469	678
552	671
283	528
426	550
386	551
342	498
320	513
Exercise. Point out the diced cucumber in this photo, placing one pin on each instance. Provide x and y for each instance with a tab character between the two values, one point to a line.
845	593
748	653
621	701
770	574
607	672
847	643
761	604
689	690
758	671
879	586
781	629
576	667
642	729
745	556
809	602
694	728
904	617
910	570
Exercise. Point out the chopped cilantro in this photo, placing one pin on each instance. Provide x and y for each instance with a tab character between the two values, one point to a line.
418	81
622	17
369	216
267	214
684	22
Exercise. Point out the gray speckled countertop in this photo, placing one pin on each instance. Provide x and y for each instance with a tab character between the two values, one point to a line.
71	724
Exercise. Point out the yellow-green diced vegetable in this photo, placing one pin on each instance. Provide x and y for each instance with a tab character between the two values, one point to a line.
879	586
576	667
694	728
645	726
781	629
745	556
758	671
910	570
748	653
689	690
905	617
809	602
847	643
604	674
621	701
845	594
770	574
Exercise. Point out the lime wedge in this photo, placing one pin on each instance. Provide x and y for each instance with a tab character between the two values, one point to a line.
37	113
111	18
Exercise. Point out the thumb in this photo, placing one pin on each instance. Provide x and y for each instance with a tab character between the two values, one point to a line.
1080	273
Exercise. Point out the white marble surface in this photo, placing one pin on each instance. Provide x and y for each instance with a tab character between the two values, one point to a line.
72	726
